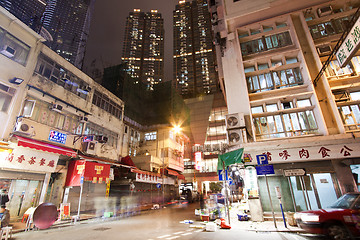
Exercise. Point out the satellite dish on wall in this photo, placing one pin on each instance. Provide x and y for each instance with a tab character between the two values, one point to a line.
45	215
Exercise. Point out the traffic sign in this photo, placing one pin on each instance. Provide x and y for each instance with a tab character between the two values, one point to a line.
158	185
294	172
220	173
262	159
265	170
81	179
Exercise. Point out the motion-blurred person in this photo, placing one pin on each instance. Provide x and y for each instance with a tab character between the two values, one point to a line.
4	198
4	216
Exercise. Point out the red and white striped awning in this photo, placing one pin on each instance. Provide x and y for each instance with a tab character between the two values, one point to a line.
43	146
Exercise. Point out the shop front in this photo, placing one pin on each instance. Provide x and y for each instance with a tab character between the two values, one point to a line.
86	183
305	176
25	169
147	187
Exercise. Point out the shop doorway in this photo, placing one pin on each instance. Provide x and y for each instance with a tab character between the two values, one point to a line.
23	194
275	181
314	191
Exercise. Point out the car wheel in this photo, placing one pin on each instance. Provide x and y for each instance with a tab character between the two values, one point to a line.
337	232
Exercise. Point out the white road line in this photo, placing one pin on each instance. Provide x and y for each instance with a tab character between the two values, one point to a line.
164	236
191	229
184	234
173	237
179	232
199	230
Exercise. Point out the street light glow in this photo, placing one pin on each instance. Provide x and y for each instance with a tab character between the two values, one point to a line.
177	129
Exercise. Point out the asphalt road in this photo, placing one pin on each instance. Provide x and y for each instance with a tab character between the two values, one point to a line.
162	224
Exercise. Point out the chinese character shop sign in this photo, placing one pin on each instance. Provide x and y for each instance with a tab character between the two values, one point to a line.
350	46
26	159
311	153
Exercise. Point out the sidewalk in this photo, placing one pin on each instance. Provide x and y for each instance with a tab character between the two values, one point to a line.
265	226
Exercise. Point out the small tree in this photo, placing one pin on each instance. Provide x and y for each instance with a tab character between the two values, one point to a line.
215	187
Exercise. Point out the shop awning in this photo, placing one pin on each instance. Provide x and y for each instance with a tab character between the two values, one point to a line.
47	147
229	158
135	170
181	177
172	172
82	170
127	161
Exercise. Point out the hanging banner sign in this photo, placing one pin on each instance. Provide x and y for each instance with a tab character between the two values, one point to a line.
350	45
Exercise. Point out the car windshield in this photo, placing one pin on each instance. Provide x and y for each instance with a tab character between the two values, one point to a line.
347	201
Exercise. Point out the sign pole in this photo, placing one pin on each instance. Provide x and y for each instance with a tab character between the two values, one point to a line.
272	208
226	193
81	190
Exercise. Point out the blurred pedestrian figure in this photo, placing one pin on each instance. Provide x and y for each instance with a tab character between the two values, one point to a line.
189	195
202	202
4	217
4	198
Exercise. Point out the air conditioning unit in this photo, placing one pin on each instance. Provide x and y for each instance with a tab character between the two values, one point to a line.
216	147
234	137
324	50
56	108
90	148
8	51
235	120
101	139
83	119
324	11
24	128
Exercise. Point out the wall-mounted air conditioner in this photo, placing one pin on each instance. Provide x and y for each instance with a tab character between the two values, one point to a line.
234	137
24	128
8	51
90	148
101	139
83	119
56	107
235	120
324	11
324	50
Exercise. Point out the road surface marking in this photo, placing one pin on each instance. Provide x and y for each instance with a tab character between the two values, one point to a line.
184	234
200	230
190	230
179	232
173	237
164	236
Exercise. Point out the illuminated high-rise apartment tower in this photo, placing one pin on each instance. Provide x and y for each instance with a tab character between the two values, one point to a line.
194	56
143	48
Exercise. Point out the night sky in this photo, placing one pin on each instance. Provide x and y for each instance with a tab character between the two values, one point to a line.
107	31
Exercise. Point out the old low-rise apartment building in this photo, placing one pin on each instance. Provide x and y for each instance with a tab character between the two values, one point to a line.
60	129
269	54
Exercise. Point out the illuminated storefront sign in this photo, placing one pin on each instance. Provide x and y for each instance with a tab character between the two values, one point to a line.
311	153
26	159
56	136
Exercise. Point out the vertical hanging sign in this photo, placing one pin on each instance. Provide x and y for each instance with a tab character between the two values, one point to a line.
198	159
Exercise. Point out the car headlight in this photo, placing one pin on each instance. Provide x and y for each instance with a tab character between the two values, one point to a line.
309	217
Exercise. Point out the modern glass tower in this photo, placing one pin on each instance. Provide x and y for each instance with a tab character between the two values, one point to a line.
68	22
143	48
194	56
29	11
